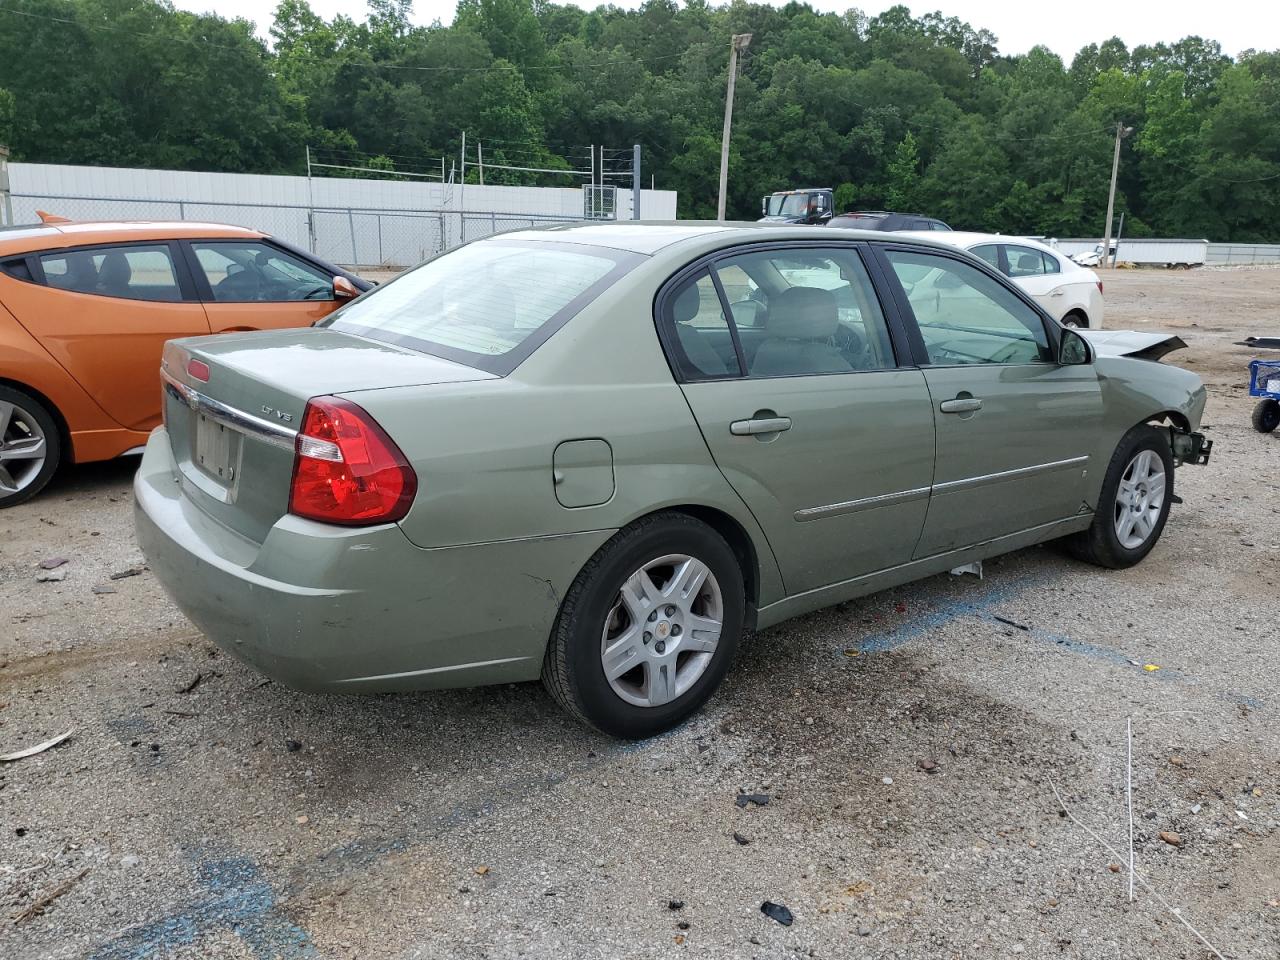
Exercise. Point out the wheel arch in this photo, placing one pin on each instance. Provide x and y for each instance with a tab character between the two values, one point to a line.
740	542
1081	314
64	431
1175	418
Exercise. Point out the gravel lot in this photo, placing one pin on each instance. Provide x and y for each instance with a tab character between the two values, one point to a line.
909	744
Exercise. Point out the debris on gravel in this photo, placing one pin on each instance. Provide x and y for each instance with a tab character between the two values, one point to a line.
776	911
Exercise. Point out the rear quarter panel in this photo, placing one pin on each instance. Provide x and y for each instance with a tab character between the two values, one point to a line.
26	365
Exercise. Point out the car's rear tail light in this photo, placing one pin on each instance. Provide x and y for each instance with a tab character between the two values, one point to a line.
198	370
346	470
1099	286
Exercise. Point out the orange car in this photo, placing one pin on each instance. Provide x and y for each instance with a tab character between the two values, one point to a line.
85	309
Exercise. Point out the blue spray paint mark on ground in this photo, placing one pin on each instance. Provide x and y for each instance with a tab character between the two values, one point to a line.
945	613
983	607
241	901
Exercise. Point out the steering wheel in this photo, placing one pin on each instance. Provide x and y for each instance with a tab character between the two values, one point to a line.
317	293
854	347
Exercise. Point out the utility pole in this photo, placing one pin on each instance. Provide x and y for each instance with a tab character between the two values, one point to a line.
635	181
311	205
7	206
737	44
480	155
1121	132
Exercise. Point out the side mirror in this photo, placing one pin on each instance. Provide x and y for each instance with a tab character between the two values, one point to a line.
1073	349
344	289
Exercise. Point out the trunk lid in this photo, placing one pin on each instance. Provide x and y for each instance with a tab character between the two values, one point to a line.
233	435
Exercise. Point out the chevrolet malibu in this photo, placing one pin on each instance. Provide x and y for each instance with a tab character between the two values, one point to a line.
602	455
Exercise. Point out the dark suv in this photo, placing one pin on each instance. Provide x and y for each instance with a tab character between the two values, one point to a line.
883	220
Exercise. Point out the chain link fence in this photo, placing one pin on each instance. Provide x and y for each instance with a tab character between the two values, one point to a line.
353	237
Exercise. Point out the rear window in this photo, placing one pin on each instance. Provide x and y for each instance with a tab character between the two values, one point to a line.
133	272
489	304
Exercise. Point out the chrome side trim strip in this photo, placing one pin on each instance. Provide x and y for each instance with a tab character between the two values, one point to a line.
1020	472
857	506
264	430
478	665
918	493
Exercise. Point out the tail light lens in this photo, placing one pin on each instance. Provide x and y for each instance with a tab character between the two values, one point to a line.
346	470
1099	286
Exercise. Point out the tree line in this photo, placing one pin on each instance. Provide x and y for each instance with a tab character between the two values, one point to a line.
893	111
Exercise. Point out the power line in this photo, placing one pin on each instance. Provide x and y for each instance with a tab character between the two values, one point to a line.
1210	176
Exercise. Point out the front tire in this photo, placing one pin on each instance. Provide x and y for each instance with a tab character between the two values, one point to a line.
1134	505
30	447
649	628
1266	415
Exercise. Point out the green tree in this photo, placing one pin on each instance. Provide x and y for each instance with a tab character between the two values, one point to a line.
903	185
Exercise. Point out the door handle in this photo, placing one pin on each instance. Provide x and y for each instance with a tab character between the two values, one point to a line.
1057	293
965	405
748	428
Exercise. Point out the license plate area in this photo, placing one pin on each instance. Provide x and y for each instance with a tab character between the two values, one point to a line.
217	450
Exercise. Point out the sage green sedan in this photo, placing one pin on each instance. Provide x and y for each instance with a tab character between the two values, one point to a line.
601	455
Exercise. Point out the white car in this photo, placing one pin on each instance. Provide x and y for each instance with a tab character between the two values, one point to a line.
1071	294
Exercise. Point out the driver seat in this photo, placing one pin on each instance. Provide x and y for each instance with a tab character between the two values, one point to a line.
240	283
801	326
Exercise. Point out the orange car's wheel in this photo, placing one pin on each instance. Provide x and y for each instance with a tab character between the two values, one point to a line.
30	447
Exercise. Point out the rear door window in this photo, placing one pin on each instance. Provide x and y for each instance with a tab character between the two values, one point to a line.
488	304
704	347
133	272
1024	261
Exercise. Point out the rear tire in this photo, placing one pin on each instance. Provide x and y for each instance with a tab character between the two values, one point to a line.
1266	415
634	650
1075	320
1134	504
30	447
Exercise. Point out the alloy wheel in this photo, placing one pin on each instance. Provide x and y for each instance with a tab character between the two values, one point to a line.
1139	499
23	448
662	630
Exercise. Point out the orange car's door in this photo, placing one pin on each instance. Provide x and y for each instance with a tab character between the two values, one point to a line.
104	312
255	285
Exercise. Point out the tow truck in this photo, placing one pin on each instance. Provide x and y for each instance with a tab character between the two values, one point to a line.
809	205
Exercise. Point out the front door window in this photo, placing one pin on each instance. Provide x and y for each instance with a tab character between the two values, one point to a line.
967	317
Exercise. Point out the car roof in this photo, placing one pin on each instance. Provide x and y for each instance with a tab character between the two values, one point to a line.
648	237
966	239
43	236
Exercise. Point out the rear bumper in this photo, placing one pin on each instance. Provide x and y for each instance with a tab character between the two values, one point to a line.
334	609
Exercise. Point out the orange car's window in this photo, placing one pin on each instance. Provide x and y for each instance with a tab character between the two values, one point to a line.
240	272
142	272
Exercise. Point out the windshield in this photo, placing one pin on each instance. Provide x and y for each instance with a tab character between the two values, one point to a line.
489	304
788	205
